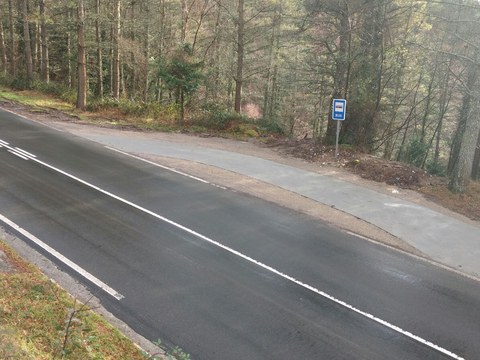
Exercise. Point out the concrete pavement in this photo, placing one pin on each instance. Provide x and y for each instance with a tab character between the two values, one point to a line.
444	239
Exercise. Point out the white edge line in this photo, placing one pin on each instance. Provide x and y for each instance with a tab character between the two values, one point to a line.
262	265
158	165
63	259
32	120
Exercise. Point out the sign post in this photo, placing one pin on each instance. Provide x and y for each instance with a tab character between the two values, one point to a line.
339	109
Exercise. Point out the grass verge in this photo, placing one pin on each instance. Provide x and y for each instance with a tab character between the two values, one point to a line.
151	116
39	320
37	101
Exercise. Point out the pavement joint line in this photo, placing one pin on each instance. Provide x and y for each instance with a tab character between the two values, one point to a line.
248	259
63	259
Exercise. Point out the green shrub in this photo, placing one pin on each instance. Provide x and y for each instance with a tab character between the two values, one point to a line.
270	127
18	83
436	168
69	95
140	109
51	88
415	152
219	119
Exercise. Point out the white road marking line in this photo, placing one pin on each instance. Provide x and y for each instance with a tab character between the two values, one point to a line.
63	259
18	154
4	142
158	165
258	263
24	152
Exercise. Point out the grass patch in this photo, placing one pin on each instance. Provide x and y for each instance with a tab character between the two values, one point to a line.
39	320
35	100
137	115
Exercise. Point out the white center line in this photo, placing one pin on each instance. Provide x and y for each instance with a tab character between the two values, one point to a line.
18	154
260	264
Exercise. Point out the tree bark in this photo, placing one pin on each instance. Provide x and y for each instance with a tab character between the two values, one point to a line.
116	53
3	50
26	39
99	59
45	66
268	97
146	48
82	63
183	30
476	161
240	55
69	55
340	79
13	45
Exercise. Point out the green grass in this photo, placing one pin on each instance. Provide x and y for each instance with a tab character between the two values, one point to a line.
126	114
39	320
35	100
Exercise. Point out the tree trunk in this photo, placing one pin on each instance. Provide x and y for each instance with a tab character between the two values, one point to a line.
99	59
146	49
82	63
183	30
240	55
272	63
476	161
13	45
26	39
45	67
461	127
340	80
3	50
69	57
116	53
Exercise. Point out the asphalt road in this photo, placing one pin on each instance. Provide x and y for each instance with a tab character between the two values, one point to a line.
221	274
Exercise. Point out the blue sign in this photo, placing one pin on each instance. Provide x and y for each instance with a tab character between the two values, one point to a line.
339	109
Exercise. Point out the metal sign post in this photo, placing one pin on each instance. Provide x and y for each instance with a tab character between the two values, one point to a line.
339	109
